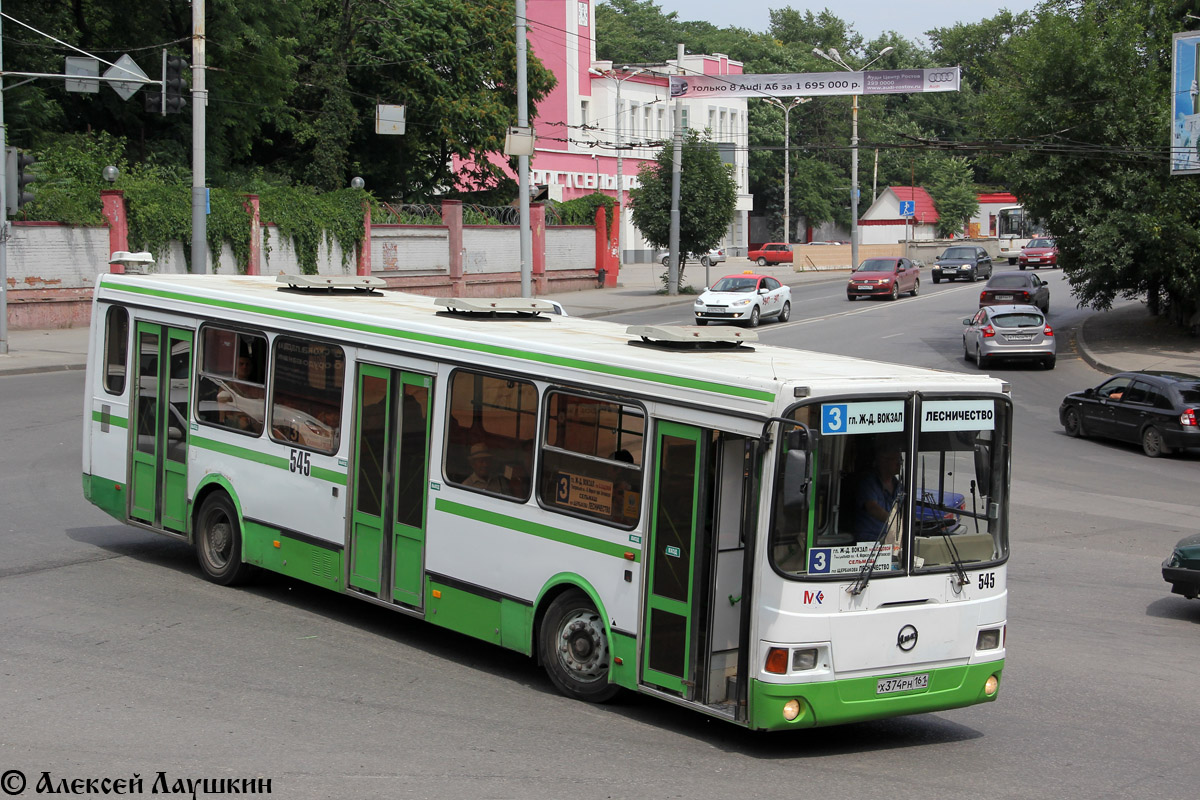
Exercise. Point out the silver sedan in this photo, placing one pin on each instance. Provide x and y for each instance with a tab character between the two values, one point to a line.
1009	331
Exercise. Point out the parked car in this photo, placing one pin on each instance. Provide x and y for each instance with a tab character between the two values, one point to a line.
1018	332
771	253
1038	253
1182	568
714	256
884	277
967	262
744	298
1156	409
1008	288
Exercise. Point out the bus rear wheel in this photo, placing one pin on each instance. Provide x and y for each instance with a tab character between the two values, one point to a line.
573	647
219	541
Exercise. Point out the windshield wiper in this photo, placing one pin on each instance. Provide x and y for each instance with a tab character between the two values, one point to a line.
864	574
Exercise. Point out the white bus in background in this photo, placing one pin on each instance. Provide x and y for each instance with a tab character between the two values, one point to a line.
1015	229
672	511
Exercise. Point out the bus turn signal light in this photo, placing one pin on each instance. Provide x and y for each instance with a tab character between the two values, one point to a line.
777	660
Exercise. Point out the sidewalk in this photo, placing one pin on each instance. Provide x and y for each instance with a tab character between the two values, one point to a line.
1125	338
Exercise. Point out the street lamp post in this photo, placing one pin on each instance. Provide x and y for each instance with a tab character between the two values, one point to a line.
834	57
608	73
787	152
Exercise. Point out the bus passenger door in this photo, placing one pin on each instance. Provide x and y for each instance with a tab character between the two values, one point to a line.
670	559
372	405
411	487
391	456
158	469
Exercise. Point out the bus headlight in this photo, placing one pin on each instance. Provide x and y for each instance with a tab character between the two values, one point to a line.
791	710
988	639
804	659
991	685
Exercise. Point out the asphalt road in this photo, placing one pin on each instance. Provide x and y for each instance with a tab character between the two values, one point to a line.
118	659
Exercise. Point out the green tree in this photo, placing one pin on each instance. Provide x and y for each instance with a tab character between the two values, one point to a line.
953	191
707	192
1083	95
635	32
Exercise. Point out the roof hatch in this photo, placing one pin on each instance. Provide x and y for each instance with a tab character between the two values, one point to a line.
494	307
690	336
328	283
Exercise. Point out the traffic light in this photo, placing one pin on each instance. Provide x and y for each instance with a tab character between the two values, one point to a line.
174	85
18	175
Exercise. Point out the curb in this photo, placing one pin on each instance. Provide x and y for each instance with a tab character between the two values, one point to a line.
1086	353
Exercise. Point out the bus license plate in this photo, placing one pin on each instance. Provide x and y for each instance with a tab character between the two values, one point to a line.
904	683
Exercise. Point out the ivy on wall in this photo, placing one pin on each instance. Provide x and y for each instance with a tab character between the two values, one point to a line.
159	204
582	210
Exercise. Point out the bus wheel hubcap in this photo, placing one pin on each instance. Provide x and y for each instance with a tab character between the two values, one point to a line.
583	650
218	540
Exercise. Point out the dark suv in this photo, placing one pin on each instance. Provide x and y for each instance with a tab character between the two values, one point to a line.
1156	409
968	262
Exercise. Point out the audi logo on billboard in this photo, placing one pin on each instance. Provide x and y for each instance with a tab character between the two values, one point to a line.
941	77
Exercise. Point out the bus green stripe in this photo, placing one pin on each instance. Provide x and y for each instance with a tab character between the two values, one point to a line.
537	529
116	422
593	366
263	458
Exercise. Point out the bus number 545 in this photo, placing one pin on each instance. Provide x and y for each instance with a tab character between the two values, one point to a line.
300	462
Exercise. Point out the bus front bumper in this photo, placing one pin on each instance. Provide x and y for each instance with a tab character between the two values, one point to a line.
856	699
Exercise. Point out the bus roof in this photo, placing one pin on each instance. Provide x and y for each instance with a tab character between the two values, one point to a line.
754	380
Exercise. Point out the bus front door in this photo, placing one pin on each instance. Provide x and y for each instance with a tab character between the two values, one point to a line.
387	535
671	559
158	468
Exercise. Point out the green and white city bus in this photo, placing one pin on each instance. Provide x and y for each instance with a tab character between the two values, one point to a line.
775	537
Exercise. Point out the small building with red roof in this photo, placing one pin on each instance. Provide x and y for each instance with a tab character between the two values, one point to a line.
882	223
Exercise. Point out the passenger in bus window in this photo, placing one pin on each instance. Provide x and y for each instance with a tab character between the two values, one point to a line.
482	476
876	492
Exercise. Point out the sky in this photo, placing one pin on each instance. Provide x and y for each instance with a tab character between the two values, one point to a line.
869	17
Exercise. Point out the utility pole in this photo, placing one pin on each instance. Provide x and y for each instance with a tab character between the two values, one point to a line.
787	157
676	177
835	57
3	210
526	235
199	104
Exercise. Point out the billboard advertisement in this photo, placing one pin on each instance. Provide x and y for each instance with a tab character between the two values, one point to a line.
817	84
1185	115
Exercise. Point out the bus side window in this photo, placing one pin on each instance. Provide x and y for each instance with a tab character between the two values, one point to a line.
306	404
116	350
491	426
591	458
231	390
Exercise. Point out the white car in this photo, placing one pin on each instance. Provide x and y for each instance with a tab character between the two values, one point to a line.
748	298
714	256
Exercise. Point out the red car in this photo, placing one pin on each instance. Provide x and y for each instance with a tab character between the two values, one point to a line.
1038	253
771	253
884	277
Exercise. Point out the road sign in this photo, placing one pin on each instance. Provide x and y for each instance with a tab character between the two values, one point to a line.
86	67
908	208
126	67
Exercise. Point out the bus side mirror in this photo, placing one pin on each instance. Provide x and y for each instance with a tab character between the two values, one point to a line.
795	479
983	468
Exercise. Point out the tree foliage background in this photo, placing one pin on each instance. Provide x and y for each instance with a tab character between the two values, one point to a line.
292	86
707	192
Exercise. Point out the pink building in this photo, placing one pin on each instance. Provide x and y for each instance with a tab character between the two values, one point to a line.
597	105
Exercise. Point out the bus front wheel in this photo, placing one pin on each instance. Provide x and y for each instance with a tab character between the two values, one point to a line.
219	541
573	647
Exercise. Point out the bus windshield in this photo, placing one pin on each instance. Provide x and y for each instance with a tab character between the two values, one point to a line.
856	485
